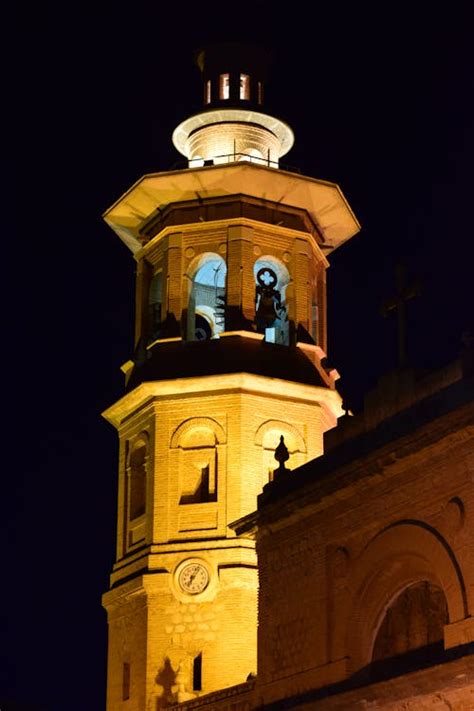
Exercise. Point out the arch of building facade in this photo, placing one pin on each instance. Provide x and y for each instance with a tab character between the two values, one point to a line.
283	428
397	557
141	439
135	444
205	285
273	262
185	434
200	260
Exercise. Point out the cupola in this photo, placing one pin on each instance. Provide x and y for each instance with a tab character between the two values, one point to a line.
232	125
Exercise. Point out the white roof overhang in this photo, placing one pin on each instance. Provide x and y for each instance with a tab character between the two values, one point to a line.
324	201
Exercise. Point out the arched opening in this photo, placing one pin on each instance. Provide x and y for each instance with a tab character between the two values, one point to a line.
397	557
411	631
268	438
206	312
195	457
198	471
270	442
271	315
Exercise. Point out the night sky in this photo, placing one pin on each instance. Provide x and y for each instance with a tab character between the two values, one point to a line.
381	102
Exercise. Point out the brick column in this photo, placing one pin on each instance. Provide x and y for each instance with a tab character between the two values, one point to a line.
174	307
240	280
301	281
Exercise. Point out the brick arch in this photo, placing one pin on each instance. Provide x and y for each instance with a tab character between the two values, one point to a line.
277	265
283	427
142	438
199	260
197	423
400	555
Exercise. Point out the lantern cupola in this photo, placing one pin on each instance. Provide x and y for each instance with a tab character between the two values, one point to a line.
232	126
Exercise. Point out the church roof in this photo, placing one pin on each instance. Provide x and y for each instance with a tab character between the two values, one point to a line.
324	201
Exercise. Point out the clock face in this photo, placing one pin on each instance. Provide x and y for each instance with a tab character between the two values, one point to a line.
193	578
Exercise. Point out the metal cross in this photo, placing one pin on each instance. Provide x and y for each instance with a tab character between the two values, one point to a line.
398	303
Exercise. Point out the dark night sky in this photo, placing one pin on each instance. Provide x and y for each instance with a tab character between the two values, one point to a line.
380	100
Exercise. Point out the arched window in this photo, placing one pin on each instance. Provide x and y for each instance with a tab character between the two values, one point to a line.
199	470
412	630
271	280
137	479
206	310
197	441
268	437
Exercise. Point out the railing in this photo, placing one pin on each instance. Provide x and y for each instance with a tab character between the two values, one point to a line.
232	158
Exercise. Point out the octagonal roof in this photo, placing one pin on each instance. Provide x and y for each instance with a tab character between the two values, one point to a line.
324	201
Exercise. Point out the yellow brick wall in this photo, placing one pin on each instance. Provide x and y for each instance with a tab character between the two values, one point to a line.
220	622
153	625
322	590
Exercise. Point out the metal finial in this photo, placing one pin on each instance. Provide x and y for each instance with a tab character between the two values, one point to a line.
281	455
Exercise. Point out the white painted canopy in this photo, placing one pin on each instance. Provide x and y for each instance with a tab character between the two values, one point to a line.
323	201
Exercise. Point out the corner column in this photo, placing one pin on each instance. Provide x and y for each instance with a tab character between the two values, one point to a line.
240	281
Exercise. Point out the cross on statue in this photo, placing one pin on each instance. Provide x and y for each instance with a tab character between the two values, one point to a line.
398	302
267	278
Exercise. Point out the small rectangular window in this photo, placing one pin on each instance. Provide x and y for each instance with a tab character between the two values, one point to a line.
224	86
245	87
197	673
126	681
208	92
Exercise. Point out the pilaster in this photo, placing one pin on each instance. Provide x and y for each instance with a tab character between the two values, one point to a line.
240	281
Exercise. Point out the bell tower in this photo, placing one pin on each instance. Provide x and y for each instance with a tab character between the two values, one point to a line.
230	341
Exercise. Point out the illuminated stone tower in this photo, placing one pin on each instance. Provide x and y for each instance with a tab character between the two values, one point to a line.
230	338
